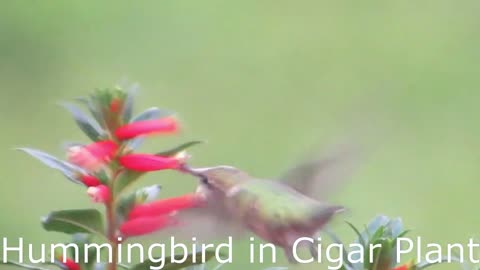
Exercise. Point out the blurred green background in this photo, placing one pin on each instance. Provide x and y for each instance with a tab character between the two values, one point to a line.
263	82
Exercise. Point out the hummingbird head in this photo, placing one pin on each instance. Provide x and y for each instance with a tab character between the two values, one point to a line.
219	177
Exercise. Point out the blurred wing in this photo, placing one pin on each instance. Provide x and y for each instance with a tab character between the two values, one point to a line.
320	175
210	223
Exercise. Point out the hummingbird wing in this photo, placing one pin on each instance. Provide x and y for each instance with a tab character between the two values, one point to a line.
319	175
212	222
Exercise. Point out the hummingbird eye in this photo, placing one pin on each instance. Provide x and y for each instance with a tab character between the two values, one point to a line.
204	180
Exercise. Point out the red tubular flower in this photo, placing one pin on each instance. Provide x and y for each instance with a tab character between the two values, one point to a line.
90	181
148	162
146	225
164	206
165	125
69	263
92	156
99	194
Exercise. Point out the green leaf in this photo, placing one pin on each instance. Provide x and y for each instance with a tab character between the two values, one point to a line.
140	196
93	108
125	205
123	266
69	170
148	194
89	126
396	226
134	144
74	221
379	233
374	225
209	254
383	255
125	179
402	234
423	265
196	267
220	265
360	239
24	266
128	105
152	113
102	266
337	240
175	150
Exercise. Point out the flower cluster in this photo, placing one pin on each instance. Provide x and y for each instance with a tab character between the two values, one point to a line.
109	164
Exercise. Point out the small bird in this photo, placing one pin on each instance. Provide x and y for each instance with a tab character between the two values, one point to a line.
279	212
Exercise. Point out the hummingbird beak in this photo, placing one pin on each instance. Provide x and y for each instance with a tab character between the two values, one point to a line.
199	172
193	171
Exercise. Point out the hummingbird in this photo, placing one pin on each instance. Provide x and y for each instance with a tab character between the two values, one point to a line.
279	212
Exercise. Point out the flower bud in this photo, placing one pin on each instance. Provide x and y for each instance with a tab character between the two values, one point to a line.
93	156
99	194
116	105
68	263
406	266
90	181
147	194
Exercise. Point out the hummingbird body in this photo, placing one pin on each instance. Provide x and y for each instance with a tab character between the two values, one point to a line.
272	210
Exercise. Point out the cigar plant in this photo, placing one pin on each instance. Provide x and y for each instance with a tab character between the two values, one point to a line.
105	167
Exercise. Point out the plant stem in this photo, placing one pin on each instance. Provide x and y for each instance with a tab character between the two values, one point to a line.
111	236
112	224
